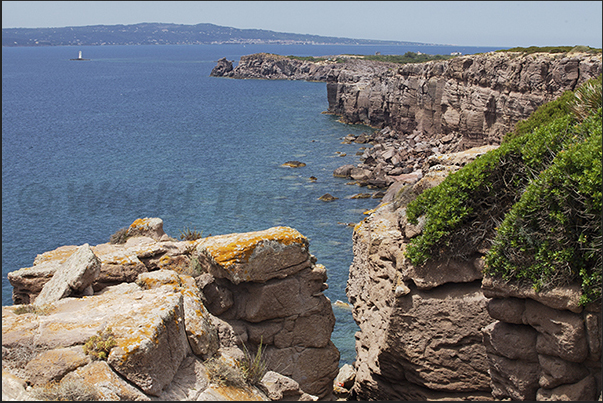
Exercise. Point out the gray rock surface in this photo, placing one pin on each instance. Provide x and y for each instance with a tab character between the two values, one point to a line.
74	276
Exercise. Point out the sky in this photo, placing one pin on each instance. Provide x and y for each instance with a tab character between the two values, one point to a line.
463	23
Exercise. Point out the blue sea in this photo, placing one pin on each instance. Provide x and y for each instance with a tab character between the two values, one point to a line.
144	131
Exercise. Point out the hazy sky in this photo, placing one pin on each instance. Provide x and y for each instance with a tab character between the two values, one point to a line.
468	23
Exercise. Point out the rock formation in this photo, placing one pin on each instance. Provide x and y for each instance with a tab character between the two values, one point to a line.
476	98
542	346
420	329
441	331
427	108
275	67
169	306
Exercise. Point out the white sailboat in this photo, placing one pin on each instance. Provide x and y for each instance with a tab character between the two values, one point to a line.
79	57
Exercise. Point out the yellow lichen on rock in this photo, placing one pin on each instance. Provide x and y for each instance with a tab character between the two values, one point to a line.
238	248
59	255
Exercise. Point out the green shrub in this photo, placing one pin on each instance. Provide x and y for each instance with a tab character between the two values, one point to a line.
100	345
253	366
531	168
552	236
464	210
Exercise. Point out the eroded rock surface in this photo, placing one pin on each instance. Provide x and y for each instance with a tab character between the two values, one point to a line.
420	328
476	98
189	301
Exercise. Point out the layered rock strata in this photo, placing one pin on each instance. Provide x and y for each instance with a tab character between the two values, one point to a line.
542	346
420	328
431	108
475	98
189	301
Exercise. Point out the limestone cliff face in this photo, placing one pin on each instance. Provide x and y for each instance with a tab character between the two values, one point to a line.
542	346
477	97
420	328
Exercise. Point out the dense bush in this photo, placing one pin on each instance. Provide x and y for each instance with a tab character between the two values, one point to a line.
552	236
550	164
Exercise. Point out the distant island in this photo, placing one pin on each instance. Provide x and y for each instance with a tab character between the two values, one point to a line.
169	34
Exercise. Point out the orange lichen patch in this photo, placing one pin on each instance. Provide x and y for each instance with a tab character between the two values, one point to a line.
60	254
18	328
238	248
99	373
73	326
147	250
178	263
140	223
157	279
357	226
236	394
119	258
142	324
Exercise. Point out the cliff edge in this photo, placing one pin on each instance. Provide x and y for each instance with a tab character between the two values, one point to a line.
229	317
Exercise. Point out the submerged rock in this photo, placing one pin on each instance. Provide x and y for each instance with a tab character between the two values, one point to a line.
327	197
294	164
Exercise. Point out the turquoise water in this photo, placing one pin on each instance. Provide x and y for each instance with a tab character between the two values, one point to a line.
143	131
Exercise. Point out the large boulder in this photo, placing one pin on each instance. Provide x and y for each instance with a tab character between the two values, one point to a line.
255	256
151	227
75	276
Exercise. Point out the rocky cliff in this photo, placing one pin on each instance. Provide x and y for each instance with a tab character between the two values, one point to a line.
475	98
478	98
420	328
275	67
172	309
441	331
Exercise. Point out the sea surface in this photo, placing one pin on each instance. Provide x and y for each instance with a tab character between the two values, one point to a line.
144	131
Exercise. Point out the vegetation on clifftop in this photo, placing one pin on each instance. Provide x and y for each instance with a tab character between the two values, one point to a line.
553	49
408	57
534	203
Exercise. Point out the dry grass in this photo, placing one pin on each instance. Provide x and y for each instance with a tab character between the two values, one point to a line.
70	390
224	374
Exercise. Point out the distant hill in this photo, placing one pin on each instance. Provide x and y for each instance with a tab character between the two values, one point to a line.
167	34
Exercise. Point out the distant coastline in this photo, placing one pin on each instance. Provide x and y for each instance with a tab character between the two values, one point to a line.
171	34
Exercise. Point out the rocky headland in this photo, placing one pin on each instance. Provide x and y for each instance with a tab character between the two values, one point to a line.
438	331
182	316
442	330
